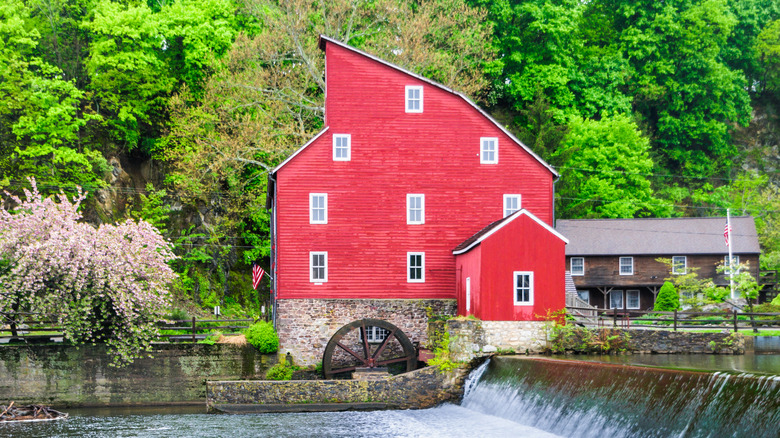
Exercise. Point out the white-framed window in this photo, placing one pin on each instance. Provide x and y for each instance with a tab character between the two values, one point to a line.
415	267
488	150
415	209
374	334
577	266
414	98
679	265
511	204
632	299
318	208
342	147
523	288
318	266
584	295
735	258
616	299
626	266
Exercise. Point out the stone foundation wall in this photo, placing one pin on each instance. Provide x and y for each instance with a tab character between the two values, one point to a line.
305	326
471	338
420	389
63	375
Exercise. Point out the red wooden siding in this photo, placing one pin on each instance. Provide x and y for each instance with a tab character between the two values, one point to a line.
393	153
468	265
521	245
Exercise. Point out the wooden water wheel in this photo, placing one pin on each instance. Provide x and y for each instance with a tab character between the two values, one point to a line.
367	343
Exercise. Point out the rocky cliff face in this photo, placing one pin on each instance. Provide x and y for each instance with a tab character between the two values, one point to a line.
759	142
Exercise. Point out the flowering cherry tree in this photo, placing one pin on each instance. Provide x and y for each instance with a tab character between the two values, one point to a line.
107	284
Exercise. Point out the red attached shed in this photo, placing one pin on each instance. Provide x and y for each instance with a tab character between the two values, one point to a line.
512	270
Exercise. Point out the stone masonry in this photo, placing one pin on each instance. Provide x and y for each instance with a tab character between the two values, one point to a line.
470	338
420	389
305	326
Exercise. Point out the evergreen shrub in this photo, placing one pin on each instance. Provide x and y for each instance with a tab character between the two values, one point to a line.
263	337
668	300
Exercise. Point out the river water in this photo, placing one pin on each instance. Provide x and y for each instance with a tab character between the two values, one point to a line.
507	397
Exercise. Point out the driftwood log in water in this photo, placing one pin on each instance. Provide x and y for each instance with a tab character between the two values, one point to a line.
29	413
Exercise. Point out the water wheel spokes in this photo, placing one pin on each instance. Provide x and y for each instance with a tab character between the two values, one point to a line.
343	353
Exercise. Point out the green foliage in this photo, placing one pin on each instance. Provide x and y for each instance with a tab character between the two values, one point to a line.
570	338
442	355
668	300
153	208
263	337
767	49
280	371
39	115
605	165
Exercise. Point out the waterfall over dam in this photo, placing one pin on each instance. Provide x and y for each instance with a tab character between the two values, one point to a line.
583	399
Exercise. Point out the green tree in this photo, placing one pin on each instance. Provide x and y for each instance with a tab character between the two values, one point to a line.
682	88
767	50
129	81
668	300
604	166
39	112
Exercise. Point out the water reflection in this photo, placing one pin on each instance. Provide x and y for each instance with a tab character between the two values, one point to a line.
744	363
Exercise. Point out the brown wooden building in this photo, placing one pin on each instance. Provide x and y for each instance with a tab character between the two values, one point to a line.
613	261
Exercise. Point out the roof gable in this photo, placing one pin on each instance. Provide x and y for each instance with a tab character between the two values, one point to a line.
324	40
673	236
491	229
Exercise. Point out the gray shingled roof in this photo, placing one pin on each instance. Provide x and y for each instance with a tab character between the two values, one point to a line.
700	235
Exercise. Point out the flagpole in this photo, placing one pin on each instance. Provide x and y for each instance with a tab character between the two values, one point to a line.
731	259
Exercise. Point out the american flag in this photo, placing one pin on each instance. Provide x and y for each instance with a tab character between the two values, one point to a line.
726	233
257	275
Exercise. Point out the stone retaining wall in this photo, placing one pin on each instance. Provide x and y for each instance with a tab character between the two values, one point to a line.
63	375
306	325
418	389
471	338
474	338
664	341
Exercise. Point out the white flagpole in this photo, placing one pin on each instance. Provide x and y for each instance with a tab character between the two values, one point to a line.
731	259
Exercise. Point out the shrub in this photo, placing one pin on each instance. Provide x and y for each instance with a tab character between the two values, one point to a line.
443	357
668	300
263	337
279	371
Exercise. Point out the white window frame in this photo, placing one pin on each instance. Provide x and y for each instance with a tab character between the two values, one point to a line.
617	293
735	258
511	199
636	293
629	265
516	288
409	267
375	335
408	99
582	265
324	267
323	208
336	146
587	295
484	141
409	198
675	265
